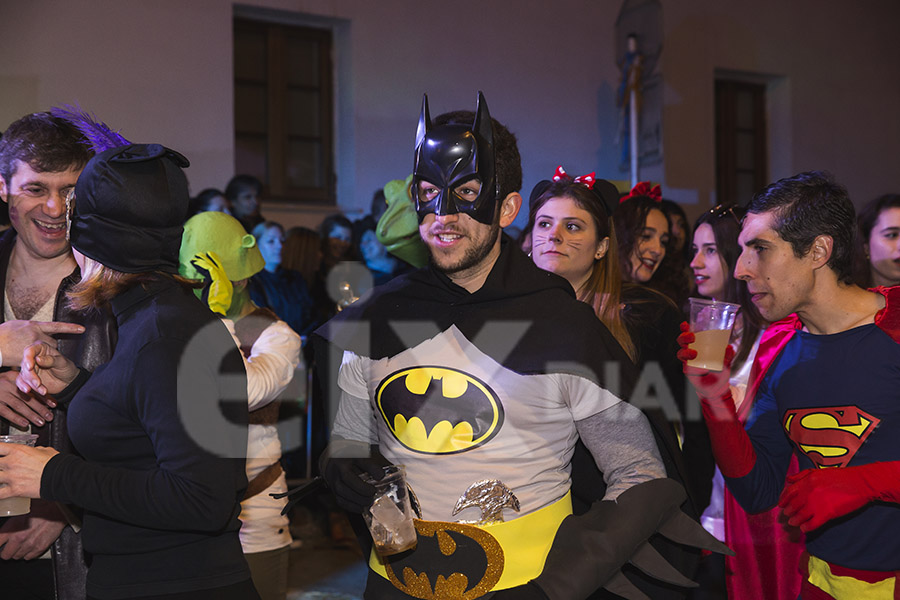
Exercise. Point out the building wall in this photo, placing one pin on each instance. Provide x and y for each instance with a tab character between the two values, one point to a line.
161	71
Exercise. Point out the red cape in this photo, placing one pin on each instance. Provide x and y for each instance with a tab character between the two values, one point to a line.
767	555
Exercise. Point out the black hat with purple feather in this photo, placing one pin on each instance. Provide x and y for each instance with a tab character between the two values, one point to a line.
129	202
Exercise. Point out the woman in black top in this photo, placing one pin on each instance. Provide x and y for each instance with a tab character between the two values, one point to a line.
161	428
646	252
572	235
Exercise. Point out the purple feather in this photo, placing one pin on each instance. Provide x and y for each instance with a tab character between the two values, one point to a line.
97	133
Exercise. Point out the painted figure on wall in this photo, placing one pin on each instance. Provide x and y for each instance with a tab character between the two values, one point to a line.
638	93
629	94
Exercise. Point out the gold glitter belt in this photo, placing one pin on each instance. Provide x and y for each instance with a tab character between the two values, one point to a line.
515	551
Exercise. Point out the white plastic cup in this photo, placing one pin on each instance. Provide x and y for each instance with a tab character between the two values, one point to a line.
390	518
10	507
711	321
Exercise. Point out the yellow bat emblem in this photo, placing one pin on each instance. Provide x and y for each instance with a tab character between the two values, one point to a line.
438	410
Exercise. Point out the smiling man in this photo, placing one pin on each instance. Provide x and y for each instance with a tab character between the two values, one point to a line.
35	187
41	157
826	390
479	373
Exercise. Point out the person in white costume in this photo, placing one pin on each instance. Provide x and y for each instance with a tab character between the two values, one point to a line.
217	249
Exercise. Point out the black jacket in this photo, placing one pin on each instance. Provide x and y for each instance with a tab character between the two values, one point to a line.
163	469
89	350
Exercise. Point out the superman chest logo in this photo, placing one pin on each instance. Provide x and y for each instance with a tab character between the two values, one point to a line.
438	410
829	436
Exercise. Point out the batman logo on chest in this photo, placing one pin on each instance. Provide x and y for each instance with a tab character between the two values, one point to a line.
439	410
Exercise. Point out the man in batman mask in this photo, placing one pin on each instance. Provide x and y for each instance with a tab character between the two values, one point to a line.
479	373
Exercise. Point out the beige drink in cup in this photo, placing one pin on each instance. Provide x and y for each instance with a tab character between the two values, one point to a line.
390	518
10	507
711	321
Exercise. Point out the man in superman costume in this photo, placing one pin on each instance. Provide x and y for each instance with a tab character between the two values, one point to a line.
825	388
479	373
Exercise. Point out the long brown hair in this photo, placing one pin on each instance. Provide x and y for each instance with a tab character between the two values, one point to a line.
99	285
725	222
630	218
603	289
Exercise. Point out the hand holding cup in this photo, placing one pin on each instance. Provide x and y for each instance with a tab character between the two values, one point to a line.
711	324
710	385
21	467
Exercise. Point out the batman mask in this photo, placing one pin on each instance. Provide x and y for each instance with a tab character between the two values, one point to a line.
458	163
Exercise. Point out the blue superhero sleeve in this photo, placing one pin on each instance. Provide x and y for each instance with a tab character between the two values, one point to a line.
760	489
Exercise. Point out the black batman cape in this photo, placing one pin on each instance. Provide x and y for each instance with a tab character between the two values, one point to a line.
563	335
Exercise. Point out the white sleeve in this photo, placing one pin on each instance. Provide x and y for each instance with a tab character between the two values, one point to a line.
273	360
355	418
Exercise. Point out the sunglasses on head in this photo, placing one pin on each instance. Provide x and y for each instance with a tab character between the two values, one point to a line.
722	210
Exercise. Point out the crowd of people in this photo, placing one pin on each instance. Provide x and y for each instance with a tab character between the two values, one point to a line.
295	283
536	389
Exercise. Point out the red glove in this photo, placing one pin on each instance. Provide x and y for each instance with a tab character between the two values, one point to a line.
731	445
813	497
